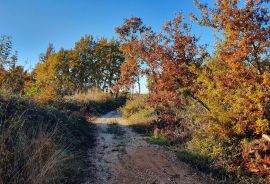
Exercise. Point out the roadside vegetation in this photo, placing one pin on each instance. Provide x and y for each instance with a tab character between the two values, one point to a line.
214	107
44	133
95	101
41	144
138	113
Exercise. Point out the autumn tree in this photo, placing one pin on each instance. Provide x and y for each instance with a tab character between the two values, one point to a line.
234	82
16	80
239	69
169	59
43	57
46	84
114	63
130	35
173	57
64	73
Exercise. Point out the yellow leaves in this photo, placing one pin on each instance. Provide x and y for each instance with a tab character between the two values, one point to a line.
238	129
266	78
235	105
261	126
48	94
237	86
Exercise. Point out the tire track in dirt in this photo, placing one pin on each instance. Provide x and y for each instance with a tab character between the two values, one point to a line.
123	157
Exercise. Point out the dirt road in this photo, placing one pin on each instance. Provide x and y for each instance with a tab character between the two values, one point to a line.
123	157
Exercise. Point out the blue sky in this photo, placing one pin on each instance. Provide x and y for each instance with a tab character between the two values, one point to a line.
32	24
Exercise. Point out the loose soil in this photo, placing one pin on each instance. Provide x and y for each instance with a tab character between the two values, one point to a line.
122	156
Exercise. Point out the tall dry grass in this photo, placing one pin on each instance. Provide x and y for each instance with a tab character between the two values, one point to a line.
92	95
40	144
96	101
32	157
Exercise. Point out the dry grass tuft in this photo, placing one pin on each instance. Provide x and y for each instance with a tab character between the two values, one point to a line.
94	95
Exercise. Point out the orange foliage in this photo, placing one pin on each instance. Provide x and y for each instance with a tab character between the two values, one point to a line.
232	85
47	95
169	59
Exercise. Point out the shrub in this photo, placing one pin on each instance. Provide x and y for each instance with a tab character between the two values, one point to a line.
222	159
135	105
139	114
144	116
137	111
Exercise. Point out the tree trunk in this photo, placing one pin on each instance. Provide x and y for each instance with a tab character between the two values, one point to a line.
139	84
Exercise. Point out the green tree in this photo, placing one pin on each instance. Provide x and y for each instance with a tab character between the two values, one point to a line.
109	60
82	63
13	78
91	63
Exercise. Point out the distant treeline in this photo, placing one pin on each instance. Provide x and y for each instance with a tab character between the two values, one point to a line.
91	63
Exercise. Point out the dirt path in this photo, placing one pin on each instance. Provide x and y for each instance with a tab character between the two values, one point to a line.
124	157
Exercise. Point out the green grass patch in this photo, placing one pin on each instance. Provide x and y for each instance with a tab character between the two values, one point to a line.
159	141
195	160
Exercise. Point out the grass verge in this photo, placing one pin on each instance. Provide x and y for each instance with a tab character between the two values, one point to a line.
158	140
40	143
220	175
